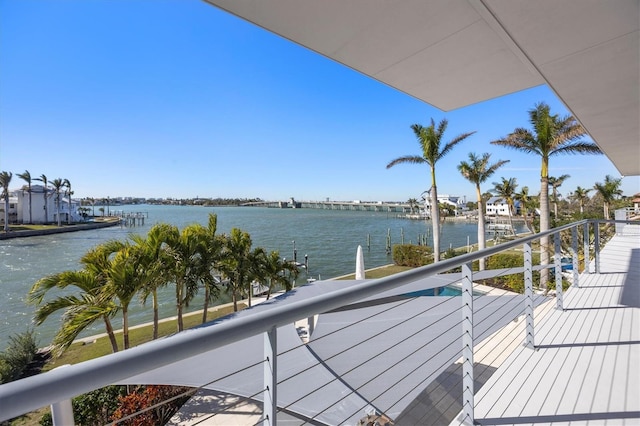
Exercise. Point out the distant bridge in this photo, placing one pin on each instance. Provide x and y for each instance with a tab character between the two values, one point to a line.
372	206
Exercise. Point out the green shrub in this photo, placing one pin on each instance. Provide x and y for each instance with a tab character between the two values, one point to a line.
93	408
16	358
412	255
513	282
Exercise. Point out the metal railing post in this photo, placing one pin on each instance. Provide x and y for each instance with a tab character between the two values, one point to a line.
585	236
528	295
270	369
574	256
557	256
596	246
62	413
467	345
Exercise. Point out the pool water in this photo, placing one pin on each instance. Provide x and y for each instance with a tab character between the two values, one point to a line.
444	291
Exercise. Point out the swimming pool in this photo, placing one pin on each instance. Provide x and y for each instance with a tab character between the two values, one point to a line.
444	291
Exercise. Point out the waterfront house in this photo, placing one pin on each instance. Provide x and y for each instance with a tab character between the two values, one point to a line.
68	207
497	206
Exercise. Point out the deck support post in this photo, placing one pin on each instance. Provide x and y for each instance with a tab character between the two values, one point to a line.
596	245
270	378
574	256
585	243
557	257
467	345
528	296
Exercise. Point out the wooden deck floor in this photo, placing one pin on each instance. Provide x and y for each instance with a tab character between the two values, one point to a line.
585	368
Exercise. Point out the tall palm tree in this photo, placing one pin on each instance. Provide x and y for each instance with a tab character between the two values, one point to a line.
45	189
5	180
506	189
26	176
124	281
550	136
69	192
430	138
185	253
476	171
58	185
155	262
609	190
555	183
235	263
210	259
581	195
527	205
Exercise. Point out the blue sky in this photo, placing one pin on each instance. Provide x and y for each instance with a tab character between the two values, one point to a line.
175	98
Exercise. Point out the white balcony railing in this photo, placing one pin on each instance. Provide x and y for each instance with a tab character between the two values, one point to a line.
284	373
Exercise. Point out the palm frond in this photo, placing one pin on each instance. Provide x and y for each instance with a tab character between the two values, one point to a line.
408	159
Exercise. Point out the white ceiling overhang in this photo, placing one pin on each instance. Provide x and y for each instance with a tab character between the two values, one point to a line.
453	53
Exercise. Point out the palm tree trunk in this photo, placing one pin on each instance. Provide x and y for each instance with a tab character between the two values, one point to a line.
179	305
435	223
112	337
156	316
30	214
544	226
46	209
482	239
6	213
125	327
205	308
513	228
234	296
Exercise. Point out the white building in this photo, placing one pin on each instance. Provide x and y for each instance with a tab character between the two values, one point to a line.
459	204
38	212
497	206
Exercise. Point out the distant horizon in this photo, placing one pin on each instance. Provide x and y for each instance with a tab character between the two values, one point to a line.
186	100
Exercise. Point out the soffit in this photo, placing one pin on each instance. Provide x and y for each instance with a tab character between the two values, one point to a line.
454	53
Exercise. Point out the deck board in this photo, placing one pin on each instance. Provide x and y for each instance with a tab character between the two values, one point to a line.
586	365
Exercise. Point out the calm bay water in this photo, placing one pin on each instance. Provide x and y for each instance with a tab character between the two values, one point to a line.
328	237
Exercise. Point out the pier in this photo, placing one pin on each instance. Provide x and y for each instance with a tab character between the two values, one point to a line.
131	218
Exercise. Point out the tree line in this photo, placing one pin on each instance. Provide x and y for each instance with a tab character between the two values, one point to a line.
192	260
550	135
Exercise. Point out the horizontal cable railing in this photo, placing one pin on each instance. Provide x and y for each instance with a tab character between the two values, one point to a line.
49	388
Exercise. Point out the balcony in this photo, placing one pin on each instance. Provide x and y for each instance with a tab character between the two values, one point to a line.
383	349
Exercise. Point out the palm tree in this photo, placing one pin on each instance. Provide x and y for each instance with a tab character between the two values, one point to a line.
527	205
210	258
69	192
235	263
124	281
430	139
275	268
26	176
476	171
5	180
185	253
91	304
45	188
551	136
608	190
555	183
581	195
58	185
413	204
507	190
155	264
